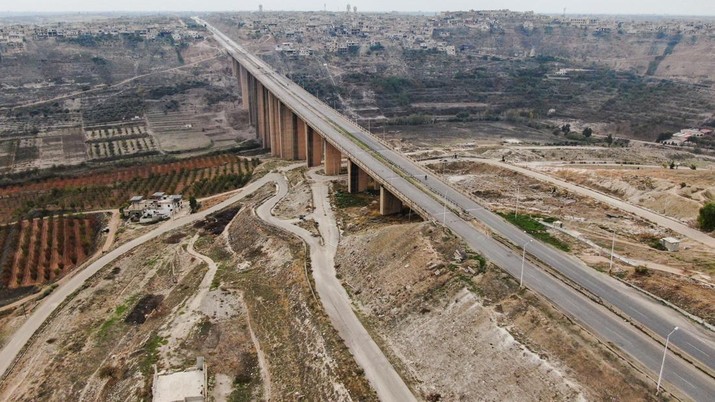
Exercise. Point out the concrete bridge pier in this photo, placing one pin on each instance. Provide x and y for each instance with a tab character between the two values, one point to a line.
252	101
301	139
313	146
262	109
333	159
287	132
274	124
243	81
236	70
389	204
357	178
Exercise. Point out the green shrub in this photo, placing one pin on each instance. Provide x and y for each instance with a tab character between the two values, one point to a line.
706	217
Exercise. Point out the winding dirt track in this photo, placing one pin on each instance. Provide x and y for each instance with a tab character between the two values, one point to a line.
378	370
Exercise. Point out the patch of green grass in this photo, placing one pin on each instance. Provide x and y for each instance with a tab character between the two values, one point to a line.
530	225
242	391
469	284
221	268
48	291
343	199
116	316
656	244
548	219
621	274
482	261
151	353
219	254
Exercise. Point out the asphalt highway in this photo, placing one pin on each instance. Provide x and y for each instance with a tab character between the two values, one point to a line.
438	200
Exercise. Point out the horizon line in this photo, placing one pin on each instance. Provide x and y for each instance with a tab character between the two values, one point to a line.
37	12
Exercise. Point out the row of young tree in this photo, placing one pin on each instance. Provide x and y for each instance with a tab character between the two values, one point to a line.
197	182
36	251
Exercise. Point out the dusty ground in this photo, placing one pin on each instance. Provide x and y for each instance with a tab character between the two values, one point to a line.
457	135
585	220
100	355
299	199
678	193
245	325
268	267
439	319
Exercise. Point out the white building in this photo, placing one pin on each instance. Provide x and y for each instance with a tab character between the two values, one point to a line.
670	243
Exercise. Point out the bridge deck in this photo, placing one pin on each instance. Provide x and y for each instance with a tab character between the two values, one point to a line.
425	193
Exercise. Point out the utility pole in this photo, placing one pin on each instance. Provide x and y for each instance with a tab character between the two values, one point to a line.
516	207
444	214
662	363
613	245
523	259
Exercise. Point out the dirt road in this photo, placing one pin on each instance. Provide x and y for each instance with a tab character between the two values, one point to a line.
651	216
113	225
22	336
378	370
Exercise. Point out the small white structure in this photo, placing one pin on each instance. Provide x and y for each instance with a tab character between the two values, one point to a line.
152	216
158	207
182	386
670	243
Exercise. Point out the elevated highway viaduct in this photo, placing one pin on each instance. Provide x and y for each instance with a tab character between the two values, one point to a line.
295	125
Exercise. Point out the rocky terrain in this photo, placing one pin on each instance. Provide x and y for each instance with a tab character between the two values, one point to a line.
632	84
439	316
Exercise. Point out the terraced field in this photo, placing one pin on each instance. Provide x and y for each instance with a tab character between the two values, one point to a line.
109	142
190	130
200	176
54	146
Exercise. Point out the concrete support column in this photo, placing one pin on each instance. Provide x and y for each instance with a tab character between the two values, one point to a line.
243	80
273	126
252	101
236	69
261	114
357	178
288	134
389	204
300	141
266	139
313	146
296	143
332	159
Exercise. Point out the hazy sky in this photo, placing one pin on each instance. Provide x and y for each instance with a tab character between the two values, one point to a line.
677	7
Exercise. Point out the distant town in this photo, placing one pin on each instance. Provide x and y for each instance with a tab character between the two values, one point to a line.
357	32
